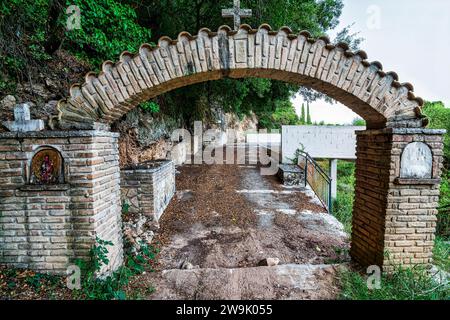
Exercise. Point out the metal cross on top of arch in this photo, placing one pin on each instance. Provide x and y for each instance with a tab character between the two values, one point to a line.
236	13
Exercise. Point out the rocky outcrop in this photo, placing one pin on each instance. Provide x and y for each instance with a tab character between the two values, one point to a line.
144	137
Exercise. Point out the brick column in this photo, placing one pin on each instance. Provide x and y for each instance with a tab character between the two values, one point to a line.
46	227
394	219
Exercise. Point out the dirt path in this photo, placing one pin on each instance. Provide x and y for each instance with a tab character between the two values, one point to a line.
225	219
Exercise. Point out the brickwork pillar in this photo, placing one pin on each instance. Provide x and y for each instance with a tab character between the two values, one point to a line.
46	227
394	216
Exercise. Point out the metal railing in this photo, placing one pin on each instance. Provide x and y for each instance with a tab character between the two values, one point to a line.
317	178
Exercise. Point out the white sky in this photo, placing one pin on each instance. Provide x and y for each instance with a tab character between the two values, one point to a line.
410	37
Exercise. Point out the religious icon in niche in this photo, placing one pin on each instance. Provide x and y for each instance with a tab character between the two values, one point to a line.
46	167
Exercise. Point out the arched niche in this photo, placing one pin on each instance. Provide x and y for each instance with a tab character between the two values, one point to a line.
416	161
47	167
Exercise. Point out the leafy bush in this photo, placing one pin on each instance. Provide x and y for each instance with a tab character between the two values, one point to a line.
32	30
150	106
108	27
439	117
111	287
284	114
443	223
23	36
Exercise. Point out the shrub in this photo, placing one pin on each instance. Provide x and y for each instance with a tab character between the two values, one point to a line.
111	287
108	27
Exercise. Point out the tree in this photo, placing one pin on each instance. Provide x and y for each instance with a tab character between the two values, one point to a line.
108	28
302	117
169	17
439	118
308	116
284	114
359	122
31	30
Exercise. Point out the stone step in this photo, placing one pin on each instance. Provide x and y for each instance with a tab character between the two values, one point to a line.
289	281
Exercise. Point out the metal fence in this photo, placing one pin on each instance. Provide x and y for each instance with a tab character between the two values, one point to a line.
317	178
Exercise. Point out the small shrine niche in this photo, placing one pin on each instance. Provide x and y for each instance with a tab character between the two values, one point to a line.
47	167
416	161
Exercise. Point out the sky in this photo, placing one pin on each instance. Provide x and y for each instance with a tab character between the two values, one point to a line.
410	37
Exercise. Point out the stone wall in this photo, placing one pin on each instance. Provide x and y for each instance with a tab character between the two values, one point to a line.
148	188
45	227
394	219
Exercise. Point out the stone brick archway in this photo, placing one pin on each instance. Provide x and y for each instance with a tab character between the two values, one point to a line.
394	215
393	218
344	75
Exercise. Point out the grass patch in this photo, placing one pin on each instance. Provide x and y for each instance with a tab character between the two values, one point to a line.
343	204
441	253
402	284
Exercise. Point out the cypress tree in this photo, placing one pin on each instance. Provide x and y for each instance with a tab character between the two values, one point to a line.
302	117
308	116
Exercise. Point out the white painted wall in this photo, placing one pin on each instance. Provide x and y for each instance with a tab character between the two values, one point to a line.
330	142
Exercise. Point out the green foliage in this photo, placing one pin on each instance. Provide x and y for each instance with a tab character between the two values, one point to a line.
23	34
308	115
443	223
439	117
359	122
125	207
343	205
239	96
297	154
32	30
112	286
284	114
38	280
302	115
402	284
441	252
150	106
108	27
168	17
